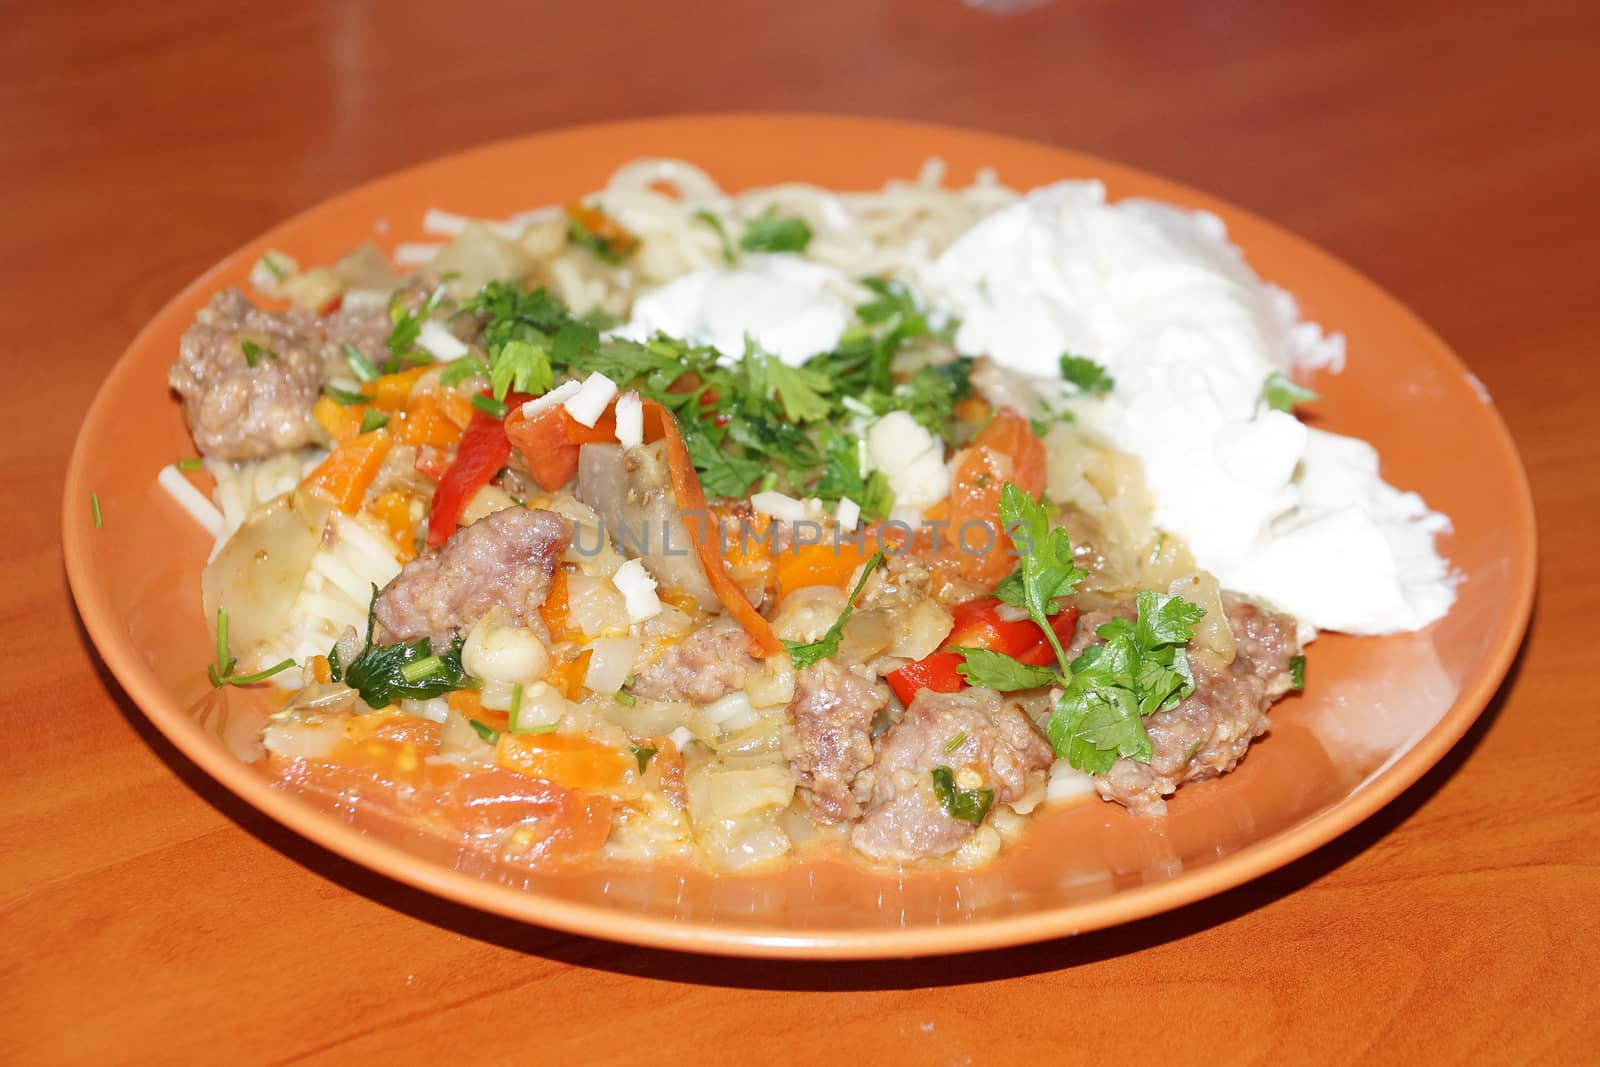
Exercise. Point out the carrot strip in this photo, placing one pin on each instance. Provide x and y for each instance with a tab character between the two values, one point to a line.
342	423
825	564
345	475
691	498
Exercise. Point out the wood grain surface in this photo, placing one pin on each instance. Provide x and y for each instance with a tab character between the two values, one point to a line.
1448	149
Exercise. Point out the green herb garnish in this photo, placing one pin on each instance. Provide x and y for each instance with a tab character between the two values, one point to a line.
804	655
384	674
459	370
490	406
373	419
1297	672
221	672
1087	375
968	805
344	397
94	509
488	733
254	353
775	233
360	365
643	754
193	463
1282	394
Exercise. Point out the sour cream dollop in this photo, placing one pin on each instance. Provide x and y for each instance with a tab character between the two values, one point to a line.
1162	299
790	306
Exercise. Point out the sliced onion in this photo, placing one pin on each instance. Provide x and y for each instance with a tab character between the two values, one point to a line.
611	660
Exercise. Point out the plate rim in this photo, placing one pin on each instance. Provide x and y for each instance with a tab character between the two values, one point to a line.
150	696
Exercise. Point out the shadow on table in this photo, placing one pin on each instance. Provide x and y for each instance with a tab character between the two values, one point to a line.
813	975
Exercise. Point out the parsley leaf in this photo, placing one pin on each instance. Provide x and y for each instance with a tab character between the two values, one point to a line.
1087	375
721	474
458	371
1297	672
1282	394
968	805
383	674
797	389
842	476
1045	566
804	655
1141	669
774	233
373	419
643	754
520	365
995	670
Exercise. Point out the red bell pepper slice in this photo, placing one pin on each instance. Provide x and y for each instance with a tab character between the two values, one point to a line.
978	624
484	449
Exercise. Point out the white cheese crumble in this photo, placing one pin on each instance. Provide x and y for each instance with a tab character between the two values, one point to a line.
638	591
630	420
591	400
559	395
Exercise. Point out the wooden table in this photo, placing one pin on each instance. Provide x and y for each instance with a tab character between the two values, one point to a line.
1449	149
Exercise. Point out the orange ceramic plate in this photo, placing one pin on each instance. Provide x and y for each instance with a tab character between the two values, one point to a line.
1377	714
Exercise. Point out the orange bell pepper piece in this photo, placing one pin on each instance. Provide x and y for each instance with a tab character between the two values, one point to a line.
426	422
342	423
824	564
344	477
391	391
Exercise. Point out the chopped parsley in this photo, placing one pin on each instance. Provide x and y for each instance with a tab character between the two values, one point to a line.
805	654
1282	394
254	353
383	674
489	734
193	463
360	365
458	371
373	419
955	742
490	406
94	509
776	233
968	805
1085	374
625	698
344	397
407	324
1297	672
1109	689
642	753
221	672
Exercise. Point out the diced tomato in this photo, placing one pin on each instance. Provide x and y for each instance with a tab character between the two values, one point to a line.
936	672
1006	450
550	441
